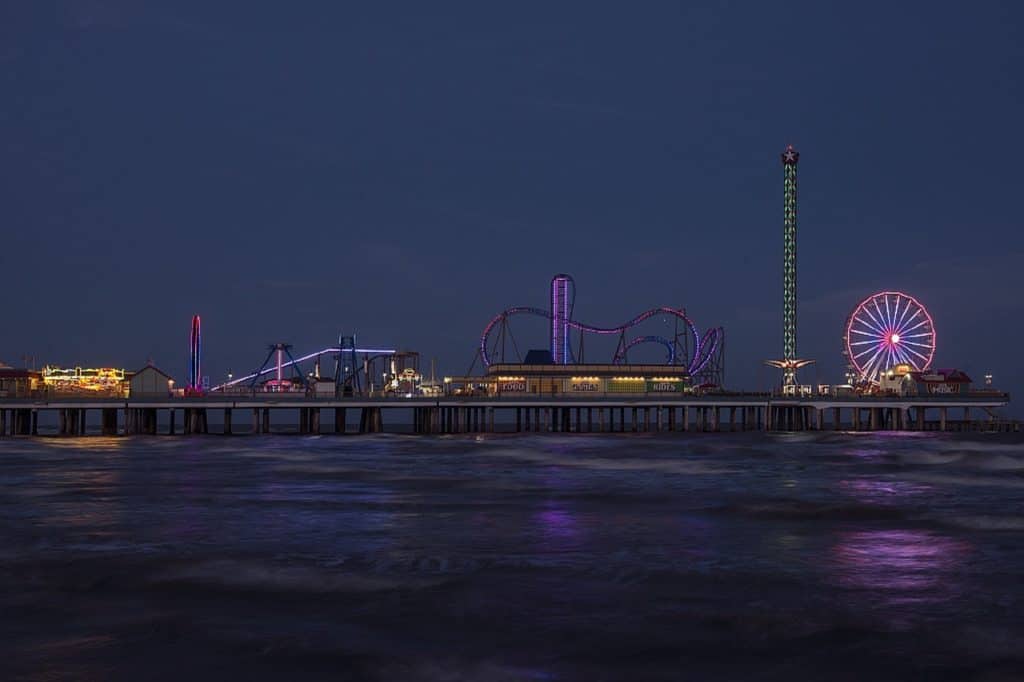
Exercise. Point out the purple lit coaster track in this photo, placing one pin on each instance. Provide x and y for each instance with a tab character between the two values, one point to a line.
701	355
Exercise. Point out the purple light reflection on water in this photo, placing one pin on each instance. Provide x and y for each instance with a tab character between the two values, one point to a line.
882	491
559	530
899	566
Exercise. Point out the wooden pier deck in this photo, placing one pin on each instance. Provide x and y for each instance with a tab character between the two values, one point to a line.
525	414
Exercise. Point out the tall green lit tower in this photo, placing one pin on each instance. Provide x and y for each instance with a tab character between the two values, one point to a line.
790	158
789	362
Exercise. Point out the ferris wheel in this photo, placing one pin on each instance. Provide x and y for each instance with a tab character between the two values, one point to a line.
887	329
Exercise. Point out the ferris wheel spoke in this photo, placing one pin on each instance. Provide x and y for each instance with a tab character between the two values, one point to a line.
895	311
918	355
902	356
912	317
906	309
923	357
888	313
915	336
864	352
919	345
865	368
911	361
873	359
870	314
917	328
873	335
878	308
869	325
863	343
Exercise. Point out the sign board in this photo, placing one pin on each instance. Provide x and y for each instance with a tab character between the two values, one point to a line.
665	386
512	387
585	387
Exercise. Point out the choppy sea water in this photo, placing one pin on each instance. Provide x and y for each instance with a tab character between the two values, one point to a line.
574	557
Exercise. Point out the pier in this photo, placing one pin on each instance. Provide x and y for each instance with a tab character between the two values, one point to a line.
523	414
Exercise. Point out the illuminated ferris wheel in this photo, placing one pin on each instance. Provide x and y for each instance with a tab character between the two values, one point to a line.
888	329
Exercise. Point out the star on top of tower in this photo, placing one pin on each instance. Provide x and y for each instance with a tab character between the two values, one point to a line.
790	155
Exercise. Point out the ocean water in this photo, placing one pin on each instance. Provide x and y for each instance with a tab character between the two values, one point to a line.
554	557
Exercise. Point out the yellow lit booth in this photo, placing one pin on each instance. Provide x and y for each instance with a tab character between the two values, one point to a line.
105	382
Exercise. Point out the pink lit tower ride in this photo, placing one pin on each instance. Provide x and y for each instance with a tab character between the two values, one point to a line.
561	313
195	372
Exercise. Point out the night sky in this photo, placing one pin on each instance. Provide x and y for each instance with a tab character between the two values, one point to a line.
404	171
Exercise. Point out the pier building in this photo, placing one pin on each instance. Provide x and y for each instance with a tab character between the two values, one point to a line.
150	382
551	380
19	383
108	382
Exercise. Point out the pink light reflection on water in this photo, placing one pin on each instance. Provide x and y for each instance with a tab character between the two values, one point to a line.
559	529
900	566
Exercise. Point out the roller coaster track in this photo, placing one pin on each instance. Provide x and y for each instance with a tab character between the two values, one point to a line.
704	347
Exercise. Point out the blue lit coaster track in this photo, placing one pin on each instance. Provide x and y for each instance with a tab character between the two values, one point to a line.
677	348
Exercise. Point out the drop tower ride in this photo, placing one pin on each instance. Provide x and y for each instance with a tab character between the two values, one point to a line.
789	362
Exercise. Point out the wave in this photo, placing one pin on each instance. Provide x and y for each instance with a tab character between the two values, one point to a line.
982	522
785	509
621	463
966	479
267	577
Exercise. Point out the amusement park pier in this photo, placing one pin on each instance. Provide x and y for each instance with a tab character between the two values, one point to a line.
654	372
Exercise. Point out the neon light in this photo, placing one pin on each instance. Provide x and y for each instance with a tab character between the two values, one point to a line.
331	349
195	374
669	346
560	313
900	332
560	317
790	158
579	326
84	380
708	346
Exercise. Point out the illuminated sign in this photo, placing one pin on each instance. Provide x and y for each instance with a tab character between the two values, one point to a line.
664	386
585	386
512	386
101	380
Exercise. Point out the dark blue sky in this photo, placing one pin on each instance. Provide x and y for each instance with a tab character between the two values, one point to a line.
404	171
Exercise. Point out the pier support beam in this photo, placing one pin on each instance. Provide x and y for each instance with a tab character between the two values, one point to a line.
109	421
